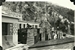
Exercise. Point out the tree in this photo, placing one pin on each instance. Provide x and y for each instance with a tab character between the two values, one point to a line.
62	26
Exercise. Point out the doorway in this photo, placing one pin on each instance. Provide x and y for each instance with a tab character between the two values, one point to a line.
22	36
4	28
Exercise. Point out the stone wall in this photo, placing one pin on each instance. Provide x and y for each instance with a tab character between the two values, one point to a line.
30	36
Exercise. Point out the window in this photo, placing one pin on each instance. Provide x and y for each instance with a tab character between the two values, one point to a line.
23	25
19	26
35	26
11	29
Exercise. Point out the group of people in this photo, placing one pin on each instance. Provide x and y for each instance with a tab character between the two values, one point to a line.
55	34
60	29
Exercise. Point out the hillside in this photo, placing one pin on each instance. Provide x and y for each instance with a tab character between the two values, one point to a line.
44	13
36	9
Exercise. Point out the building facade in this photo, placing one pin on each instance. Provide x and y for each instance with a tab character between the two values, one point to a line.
11	23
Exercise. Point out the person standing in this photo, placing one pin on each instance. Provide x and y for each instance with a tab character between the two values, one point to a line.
52	33
55	35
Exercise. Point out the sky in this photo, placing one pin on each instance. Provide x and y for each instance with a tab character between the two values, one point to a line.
63	3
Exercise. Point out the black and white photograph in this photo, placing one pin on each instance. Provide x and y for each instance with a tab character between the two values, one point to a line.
37	25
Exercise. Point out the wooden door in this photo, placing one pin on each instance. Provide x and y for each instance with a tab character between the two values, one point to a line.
22	36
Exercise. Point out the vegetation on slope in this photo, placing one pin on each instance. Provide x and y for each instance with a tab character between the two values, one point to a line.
44	13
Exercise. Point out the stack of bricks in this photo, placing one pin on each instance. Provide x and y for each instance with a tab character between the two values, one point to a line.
30	36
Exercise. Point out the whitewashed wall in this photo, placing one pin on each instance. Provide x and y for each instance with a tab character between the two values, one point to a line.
15	33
